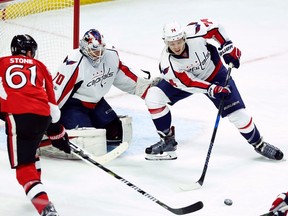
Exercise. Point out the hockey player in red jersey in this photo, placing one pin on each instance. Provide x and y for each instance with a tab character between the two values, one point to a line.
190	64
85	77
28	106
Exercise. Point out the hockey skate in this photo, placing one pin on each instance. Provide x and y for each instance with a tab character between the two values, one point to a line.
164	149
49	210
268	150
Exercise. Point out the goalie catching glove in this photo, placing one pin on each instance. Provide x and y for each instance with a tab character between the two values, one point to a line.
143	85
58	136
280	205
230	54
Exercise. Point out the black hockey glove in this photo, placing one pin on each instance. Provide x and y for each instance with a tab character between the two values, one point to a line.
230	54
59	138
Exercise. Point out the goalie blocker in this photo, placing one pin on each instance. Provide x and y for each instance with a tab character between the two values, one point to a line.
90	139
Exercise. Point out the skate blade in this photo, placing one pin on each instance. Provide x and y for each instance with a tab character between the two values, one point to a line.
165	156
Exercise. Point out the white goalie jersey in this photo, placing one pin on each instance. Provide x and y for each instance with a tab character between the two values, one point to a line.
79	78
87	81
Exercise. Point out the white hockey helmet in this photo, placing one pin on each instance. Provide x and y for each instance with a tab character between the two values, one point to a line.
173	31
92	45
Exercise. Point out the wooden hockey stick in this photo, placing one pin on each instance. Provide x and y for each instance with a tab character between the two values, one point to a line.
200	182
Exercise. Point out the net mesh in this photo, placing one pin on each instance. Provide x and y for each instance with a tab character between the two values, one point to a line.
49	22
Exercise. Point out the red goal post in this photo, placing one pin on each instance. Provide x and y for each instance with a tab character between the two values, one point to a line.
54	24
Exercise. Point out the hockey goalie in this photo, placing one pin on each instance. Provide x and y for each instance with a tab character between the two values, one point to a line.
81	82
93	141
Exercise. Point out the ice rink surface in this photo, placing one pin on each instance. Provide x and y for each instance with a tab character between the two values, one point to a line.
236	171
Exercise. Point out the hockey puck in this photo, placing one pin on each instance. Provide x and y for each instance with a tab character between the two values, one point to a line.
228	202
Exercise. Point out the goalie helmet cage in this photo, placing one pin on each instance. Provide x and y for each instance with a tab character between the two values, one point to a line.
54	24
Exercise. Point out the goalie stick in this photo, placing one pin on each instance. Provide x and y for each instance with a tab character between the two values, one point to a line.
200	182
85	156
111	155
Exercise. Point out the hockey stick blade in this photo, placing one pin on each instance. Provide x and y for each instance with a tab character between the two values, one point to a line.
195	185
102	159
116	152
185	210
268	214
189	187
178	211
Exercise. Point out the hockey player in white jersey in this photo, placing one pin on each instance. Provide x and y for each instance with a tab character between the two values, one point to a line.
190	64
85	77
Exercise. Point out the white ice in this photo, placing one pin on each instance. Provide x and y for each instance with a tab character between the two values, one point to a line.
236	171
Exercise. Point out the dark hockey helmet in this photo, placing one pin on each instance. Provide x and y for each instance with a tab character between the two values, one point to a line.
20	44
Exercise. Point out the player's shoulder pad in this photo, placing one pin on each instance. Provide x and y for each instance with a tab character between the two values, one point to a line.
199	28
193	29
164	59
40	64
111	51
110	46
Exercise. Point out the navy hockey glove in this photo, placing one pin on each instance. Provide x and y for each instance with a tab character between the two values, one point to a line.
59	138
280	205
217	92
230	54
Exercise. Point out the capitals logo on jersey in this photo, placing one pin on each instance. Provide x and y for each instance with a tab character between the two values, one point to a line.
197	26
69	62
101	77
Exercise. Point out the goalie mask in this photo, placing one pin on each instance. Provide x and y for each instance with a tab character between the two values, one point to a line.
92	45
21	44
172	32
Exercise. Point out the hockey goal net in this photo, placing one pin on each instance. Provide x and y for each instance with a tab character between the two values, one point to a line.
54	24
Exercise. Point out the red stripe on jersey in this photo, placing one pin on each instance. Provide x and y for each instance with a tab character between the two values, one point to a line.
189	82
127	71
157	110
69	86
11	145
143	96
215	71
89	105
214	33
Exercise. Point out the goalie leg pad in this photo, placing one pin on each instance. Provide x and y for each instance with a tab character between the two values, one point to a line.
126	128
91	139
114	132
119	130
